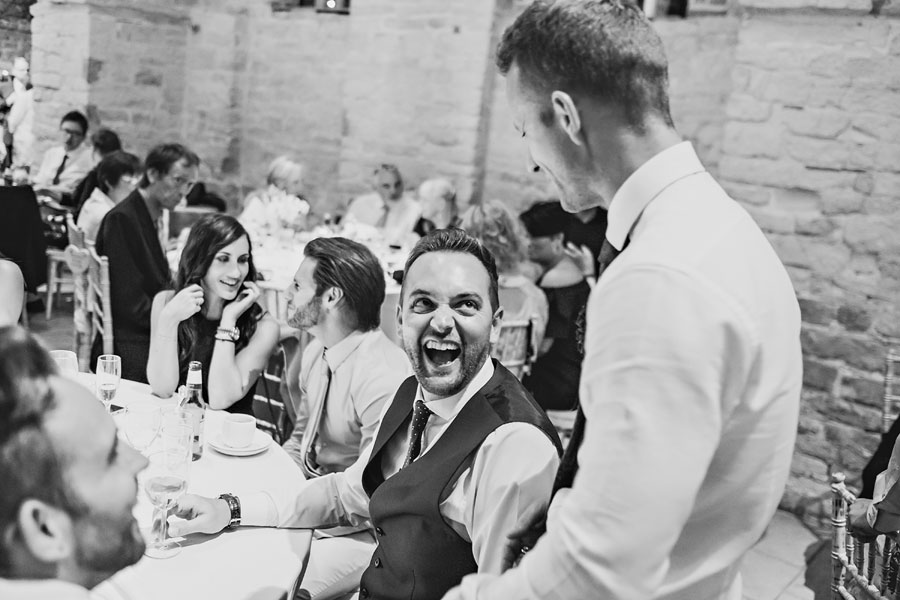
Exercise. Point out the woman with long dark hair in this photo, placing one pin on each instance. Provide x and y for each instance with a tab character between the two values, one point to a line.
212	316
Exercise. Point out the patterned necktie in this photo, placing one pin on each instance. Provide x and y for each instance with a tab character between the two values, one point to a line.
310	458
59	171
419	419
568	466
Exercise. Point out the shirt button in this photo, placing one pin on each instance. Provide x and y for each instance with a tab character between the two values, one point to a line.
363	593
377	563
379	531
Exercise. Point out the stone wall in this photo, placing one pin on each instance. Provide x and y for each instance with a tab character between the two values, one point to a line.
15	31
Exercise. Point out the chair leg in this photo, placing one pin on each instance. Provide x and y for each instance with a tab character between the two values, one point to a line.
52	274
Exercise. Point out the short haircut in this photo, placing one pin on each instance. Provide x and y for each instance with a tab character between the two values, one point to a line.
114	166
453	239
388	168
500	231
76	117
544	219
106	141
352	267
605	49
29	465
281	170
162	157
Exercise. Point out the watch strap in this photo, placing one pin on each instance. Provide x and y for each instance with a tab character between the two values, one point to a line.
234	505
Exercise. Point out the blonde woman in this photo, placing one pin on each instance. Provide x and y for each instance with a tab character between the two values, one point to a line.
279	205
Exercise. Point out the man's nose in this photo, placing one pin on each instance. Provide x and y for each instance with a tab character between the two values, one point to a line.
442	320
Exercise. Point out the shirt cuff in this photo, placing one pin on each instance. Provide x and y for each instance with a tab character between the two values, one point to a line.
258	509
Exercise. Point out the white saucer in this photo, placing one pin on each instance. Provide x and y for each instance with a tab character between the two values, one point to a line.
260	442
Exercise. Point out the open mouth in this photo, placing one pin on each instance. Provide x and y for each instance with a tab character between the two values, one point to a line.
441	353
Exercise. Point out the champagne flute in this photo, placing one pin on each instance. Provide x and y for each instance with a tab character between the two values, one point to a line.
141	424
165	481
109	373
66	361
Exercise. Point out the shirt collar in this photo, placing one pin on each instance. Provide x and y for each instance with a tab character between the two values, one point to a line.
37	589
645	184
341	351
447	408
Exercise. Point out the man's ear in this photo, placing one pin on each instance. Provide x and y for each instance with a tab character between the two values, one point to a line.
496	323
46	531
567	116
152	175
332	296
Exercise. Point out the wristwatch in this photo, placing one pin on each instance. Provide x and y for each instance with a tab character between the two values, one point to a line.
234	505
232	334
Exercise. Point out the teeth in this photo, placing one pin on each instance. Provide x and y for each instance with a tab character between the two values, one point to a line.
433	345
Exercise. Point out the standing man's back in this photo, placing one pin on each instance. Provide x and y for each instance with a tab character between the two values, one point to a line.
130	236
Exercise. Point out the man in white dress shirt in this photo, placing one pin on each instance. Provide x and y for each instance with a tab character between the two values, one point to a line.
339	387
391	210
692	372
69	482
461	453
65	165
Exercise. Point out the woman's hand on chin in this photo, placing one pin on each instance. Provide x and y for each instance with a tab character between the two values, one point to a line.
185	304
249	294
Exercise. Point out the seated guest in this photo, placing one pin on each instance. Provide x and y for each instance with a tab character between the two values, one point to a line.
437	198
279	205
502	234
20	119
69	481
65	165
115	178
199	197
105	141
132	236
554	375
388	208
342	381
12	292
869	518
212	316
461	452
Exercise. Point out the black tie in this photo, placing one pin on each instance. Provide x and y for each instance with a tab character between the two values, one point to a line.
62	167
420	418
568	466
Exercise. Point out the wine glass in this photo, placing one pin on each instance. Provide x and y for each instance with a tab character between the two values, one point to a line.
141	424
109	373
66	361
165	481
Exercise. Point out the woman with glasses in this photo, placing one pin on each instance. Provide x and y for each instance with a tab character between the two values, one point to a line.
117	176
212	316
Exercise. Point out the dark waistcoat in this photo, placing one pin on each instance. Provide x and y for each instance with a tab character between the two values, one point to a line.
419	556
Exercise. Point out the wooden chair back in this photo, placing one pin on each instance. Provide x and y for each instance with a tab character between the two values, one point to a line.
861	568
269	398
78	260
98	299
515	348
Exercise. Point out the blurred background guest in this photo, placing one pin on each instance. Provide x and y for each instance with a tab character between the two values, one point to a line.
388	208
20	119
554	376
494	225
212	316
65	165
280	204
437	198
105	141
116	177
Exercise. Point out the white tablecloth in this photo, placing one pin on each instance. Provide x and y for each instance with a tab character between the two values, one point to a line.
249	563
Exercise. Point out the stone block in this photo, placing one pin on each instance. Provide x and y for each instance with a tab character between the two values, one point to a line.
821	226
790	250
816	446
759	171
841	201
873	234
878	126
854	414
825	257
816	311
772	221
818	375
820	153
753	195
887	184
812	468
865	389
864	183
825	123
855	350
752	139
744	107
854	317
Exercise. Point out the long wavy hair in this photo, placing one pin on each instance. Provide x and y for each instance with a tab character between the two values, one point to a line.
209	235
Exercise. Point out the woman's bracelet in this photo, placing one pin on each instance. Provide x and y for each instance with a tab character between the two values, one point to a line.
224	338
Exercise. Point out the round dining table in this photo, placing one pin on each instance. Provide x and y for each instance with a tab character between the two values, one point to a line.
246	563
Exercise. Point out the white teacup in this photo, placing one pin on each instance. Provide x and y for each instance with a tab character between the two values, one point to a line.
238	430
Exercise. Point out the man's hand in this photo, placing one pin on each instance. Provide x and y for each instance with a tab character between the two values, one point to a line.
530	526
201	515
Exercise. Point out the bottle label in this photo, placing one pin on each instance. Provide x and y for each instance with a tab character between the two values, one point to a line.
195	377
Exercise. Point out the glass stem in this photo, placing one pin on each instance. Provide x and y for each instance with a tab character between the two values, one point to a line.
160	526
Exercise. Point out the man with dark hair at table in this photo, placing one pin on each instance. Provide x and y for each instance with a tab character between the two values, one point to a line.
339	386
690	386
462	450
133	237
69	482
64	166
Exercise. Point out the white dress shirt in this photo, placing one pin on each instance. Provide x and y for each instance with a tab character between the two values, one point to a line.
78	164
92	212
690	387
41	589
512	471
396	225
366	370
